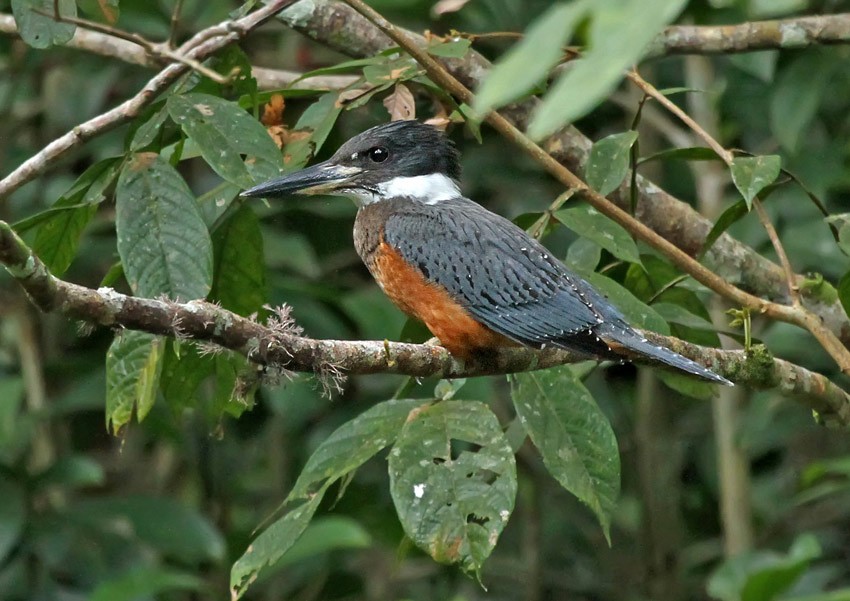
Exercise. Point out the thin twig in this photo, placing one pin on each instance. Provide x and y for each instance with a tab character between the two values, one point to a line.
793	288
175	23
156	50
679	258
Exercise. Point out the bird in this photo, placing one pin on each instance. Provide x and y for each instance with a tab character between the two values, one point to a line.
477	280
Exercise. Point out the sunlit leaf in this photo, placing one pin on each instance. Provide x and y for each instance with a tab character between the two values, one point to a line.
593	225
453	501
619	33
608	163
529	61
752	174
163	242
224	133
573	436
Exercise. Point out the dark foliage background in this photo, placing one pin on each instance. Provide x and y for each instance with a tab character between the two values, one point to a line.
163	508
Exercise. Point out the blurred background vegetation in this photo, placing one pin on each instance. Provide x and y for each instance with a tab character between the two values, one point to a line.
162	509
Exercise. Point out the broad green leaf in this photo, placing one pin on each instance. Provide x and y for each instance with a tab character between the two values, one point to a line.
608	163
353	443
145	583
635	310
224	133
163	242
272	543
182	373
619	33
133	363
239	282
797	95
593	225
453	502
763	575
13	514
529	61
573	436
453	49
752	174
147	132
319	118
172	528
584	255
59	235
43	31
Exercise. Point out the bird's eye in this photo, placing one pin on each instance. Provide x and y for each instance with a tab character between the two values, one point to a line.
378	154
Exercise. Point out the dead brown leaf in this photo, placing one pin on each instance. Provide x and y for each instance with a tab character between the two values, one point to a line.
273	111
447	6
400	104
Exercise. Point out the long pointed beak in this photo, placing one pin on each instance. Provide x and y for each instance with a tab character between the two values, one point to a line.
322	178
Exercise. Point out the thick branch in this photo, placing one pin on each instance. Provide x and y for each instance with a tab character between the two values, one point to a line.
202	321
202	45
785	34
340	27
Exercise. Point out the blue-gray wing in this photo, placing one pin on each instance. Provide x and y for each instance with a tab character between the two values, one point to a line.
502	276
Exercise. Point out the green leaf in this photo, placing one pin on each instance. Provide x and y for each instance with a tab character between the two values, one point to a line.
172	528
841	221
182	374
529	61
144	582
453	49
352	444
593	225
133	363
163	242
59	235
147	132
619	33
453	501
240	275
271	544
584	255
13	514
764	575
635	310
573	436
752	174
224	132
324	535
608	163
43	31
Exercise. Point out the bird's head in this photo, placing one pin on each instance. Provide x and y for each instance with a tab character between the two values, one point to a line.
398	159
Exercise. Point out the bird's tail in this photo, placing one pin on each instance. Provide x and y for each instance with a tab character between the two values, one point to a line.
625	341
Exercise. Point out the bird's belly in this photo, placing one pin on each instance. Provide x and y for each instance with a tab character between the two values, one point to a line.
456	329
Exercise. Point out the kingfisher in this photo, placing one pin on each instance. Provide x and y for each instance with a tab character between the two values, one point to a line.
476	280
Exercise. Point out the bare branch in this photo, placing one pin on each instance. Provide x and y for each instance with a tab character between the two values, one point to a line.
283	346
200	46
785	34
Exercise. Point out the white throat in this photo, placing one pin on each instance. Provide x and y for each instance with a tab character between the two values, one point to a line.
428	189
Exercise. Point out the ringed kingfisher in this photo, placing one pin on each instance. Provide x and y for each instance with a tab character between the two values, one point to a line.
474	278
